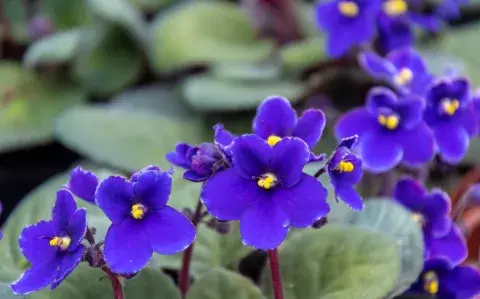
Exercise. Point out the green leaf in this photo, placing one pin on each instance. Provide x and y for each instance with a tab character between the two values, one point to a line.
472	156
337	263
53	49
303	54
108	61
125	139
393	221
37	205
205	93
205	32
66	14
16	14
30	106
247	73
222	284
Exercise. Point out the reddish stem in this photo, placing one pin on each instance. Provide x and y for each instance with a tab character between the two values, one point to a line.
275	272
116	284
184	279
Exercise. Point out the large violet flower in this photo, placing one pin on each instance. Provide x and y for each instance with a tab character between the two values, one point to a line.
451	116
390	130
444	281
345	171
52	247
347	23
405	69
266	190
141	220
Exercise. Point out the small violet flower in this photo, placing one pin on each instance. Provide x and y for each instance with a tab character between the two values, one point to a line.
400	10
83	184
53	247
266	190
348	23
405	69
345	171
451	246
450	114
449	9
199	161
276	119
443	281
390	129
141	220
394	33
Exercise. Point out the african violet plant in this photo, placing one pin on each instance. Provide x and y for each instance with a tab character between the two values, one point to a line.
266	196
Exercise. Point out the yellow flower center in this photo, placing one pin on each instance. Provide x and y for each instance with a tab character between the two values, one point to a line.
390	122
60	242
344	166
267	181
450	106
404	77
418	218
431	284
395	7
348	8
272	140
138	211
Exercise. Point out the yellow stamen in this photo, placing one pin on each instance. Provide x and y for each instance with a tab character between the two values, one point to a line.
431	284
418	218
273	139
395	7
348	8
345	166
450	106
404	77
138	211
391	122
62	243
267	181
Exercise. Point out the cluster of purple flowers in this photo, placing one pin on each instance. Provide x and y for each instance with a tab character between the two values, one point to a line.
350	23
422	115
445	247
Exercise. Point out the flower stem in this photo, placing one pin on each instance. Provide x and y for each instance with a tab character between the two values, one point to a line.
275	272
184	279
116	284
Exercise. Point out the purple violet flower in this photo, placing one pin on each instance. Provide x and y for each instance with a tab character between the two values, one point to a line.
266	190
390	129
451	116
141	220
52	247
83	184
449	9
199	161
394	33
399	10
443	281
404	68
451	246
345	171
347	23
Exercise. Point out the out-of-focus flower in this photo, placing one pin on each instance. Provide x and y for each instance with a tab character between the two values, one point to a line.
345	171
394	33
83	184
403	68
141	220
451	116
199	161
449	9
444	281
266	190
390	129
40	26
52	247
451	246
347	23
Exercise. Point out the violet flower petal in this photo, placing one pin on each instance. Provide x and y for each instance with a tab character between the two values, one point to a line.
68	263
275	116
451	246
452	142
63	210
355	122
83	184
113	196
35	278
418	145
77	228
310	127
289	158
153	189
250	155
34	242
351	197
380	154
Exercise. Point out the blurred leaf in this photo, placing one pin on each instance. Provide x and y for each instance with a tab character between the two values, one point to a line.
306	19
337	263
123	13
472	157
29	106
125	139
248	73
17	20
205	32
222	284
392	220
303	54
206	93
53	49
151	5
37	205
66	14
108	61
